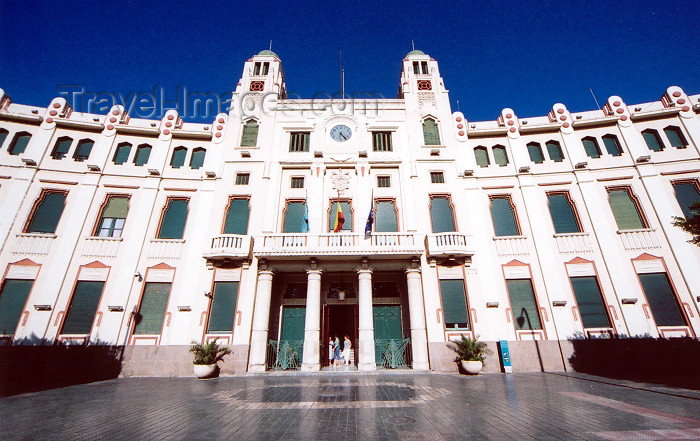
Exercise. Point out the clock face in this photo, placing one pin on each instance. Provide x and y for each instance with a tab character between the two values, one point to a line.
341	133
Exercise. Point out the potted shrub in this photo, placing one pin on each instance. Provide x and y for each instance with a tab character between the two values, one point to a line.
471	353
206	356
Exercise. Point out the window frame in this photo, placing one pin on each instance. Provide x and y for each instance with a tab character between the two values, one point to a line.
574	211
69	308
137	154
176	151
500	148
3	284
484	149
436	126
122	145
287	203
451	206
350	209
509	197
58	155
295	180
657	137
299	141
437	177
164	210
384	178
37	204
241	177
195	156
469	324
386	141
536	302
615	144
679	133
98	226
212	304
674	296
13	144
78	154
550	145
534	145
693	182
595	145
244	142
140	306
635	201
604	304
229	205
4	133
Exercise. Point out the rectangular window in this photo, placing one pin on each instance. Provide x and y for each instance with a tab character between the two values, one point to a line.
675	137
385	220
441	214
297	182
590	145
687	193
83	306
431	133
250	134
142	155
47	212
299	141
590	302
13	297
113	217
197	158
237	216
19	143
454	304
625	209
82	151
60	150
178	158
535	151
500	155
563	215
121	155
294	216
523	304
256	68
482	156
437	177
347	214
651	137
554	151
172	225
384	181
503	216
149	319
381	142
242	178
223	308
662	300
612	145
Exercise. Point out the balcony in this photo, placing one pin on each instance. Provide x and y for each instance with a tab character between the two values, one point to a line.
639	240
33	244
448	244
332	244
101	247
165	248
229	247
573	243
509	246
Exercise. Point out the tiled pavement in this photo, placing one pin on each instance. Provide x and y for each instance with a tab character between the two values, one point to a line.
356	406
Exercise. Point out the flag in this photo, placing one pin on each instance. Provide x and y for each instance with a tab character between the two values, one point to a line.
339	219
305	221
370	218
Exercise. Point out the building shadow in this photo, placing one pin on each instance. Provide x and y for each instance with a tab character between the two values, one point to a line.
32	365
669	361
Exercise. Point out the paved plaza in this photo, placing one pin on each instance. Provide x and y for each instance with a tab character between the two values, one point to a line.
356	406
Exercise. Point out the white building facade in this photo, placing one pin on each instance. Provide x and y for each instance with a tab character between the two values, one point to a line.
153	233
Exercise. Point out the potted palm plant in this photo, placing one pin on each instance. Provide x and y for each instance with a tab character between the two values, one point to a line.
206	356
471	353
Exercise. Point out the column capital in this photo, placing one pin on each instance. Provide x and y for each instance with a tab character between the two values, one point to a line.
265	274
362	271
411	271
311	272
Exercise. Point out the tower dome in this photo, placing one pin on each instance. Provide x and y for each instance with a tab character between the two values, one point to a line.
415	52
268	53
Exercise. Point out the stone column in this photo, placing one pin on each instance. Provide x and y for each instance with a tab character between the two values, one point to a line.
261	320
312	325
419	341
366	361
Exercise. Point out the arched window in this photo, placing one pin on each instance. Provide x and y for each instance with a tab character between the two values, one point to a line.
178	158
500	156
47	212
431	134
346	209
113	216
237	215
60	149
563	213
482	156
505	222
441	214
625	208
590	145
653	140
535	151
250	134
82	152
197	159
19	143
172	224
554	150
612	145
675	137
143	152
121	155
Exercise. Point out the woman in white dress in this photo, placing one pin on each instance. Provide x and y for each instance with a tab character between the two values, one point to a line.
346	350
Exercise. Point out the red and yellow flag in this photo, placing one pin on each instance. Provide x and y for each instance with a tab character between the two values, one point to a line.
339	219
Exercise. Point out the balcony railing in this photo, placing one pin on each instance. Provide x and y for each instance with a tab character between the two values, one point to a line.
454	244
226	246
511	245
573	243
337	243
37	244
639	240
101	247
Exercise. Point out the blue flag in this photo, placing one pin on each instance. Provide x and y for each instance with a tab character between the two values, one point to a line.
305	221
370	218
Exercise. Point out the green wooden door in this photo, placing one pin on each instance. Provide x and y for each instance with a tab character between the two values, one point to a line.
293	318
387	326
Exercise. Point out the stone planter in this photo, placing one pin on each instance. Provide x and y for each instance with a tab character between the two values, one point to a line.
472	367
204	370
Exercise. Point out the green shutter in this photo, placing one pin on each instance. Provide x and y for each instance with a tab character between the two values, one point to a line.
19	145
612	145
82	309
345	205
687	194
293	322
48	213
385	217
591	148
250	134
523	304
482	157
625	210
441	215
61	148
662	300
294	217
307	140
454	304
12	299
152	310
223	307
500	156
237	217
535	152
174	220
178	158
675	137
563	216
122	154
117	207
142	155
555	152
590	302
431	134
503	217
197	159
652	140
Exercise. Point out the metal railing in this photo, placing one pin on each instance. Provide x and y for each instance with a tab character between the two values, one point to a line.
393	353
284	354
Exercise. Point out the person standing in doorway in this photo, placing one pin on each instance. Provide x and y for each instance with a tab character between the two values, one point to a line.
336	350
330	351
346	350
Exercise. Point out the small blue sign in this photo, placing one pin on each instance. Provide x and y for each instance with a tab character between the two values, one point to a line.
505	356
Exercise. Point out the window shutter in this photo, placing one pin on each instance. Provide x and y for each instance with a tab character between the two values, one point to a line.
625	210
686	193
307	140
590	302
83	307
152	309
197	159
174	220
503	217
237	217
48	213
441	215
675	137
535	152
500	156
612	145
662	300
555	152
20	144
122	154
563	216
12	299
431	136
223	307
117	207
294	217
523	304
386	217
142	155
591	148
454	304
652	140
178	159
250	134
482	157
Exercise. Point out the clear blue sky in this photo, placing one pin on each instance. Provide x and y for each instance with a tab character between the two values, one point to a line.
526	55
